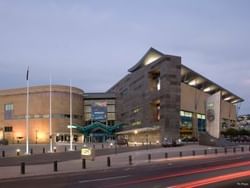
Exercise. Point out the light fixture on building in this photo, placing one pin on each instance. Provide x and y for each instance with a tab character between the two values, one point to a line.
192	83
135	131
228	98
235	101
207	89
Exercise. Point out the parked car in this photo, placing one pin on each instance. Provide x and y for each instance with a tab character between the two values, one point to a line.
171	143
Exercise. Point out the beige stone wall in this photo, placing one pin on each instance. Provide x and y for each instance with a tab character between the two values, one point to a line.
39	112
190	96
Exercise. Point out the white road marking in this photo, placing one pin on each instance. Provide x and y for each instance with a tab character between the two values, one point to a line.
104	179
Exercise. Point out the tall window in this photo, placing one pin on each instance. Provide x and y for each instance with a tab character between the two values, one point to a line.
201	122
186	126
8	111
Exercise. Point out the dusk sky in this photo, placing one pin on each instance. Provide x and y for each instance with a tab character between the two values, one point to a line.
94	43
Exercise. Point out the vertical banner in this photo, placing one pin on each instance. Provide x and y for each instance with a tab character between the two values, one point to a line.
213	114
99	111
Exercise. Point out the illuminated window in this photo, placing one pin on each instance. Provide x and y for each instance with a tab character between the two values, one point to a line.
186	126
158	83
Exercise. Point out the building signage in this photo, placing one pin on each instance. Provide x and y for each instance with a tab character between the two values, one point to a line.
87	153
99	111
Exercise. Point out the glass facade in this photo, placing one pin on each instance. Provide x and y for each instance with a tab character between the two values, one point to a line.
109	110
201	118
186	126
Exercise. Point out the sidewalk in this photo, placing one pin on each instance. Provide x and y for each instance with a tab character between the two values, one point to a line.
117	160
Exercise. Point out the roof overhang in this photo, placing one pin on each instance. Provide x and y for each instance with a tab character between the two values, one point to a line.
198	81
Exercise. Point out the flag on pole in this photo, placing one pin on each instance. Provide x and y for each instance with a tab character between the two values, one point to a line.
27	75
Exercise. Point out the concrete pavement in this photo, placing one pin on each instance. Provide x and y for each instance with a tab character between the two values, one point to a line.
117	160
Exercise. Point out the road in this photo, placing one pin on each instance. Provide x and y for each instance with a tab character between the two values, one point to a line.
224	171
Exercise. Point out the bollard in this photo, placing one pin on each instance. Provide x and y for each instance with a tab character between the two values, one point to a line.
193	153
242	149
225	150
75	147
65	149
234	150
94	146
83	163
17	152
108	162
55	166
31	151
149	158
22	168
166	155
54	148
130	159
43	150
3	153
102	146
180	154
205	152
115	149
215	151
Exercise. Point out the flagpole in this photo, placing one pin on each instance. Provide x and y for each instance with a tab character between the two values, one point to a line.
50	118
70	129
27	113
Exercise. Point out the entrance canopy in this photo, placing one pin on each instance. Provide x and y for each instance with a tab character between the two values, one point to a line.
98	127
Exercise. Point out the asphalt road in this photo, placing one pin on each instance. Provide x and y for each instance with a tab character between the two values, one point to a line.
219	172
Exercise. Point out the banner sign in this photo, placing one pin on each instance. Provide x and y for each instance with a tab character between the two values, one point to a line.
213	114
99	111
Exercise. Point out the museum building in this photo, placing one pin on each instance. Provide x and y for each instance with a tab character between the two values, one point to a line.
162	98
159	98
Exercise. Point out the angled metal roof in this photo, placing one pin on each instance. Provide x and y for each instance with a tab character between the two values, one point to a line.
188	76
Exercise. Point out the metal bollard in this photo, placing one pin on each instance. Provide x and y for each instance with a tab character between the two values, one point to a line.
242	149
166	155
94	146
234	150
102	146
215	151
130	159
205	152
43	150
225	150
108	162
55	166
22	168
75	147
149	158
31	151
193	152
54	148
83	163
180	154
65	149
3	153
